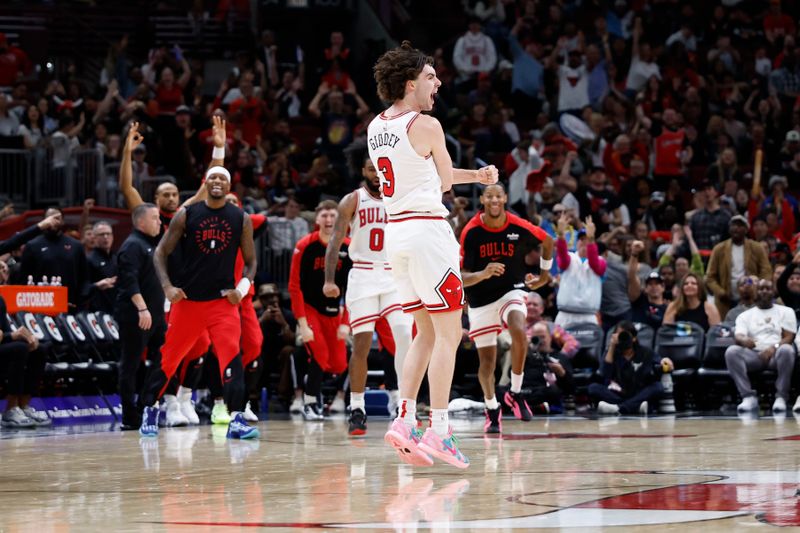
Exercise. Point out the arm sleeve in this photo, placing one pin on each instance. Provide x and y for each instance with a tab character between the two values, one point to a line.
697	265
129	263
19	239
596	263
562	254
295	290
259	225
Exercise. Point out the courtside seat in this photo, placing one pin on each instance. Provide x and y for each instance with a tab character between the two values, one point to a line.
718	339
588	357
683	344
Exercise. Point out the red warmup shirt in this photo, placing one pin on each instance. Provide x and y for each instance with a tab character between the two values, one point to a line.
12	61
259	225
508	244
307	276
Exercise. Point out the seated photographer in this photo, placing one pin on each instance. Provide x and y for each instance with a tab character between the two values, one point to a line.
548	372
631	375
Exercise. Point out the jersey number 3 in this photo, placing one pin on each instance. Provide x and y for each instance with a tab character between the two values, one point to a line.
387	179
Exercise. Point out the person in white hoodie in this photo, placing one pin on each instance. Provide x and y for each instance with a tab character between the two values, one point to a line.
474	52
581	287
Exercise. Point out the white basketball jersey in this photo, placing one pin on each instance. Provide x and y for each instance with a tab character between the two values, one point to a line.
410	184
366	230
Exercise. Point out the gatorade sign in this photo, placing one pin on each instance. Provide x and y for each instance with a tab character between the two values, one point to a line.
46	300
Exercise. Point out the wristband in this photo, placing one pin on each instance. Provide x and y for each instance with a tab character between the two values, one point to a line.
243	286
218	153
142	310
545	264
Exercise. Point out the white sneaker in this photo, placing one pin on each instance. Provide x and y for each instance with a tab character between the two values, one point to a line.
187	406
249	415
16	418
297	406
337	406
779	406
605	408
394	402
748	404
796	407
40	417
175	417
643	408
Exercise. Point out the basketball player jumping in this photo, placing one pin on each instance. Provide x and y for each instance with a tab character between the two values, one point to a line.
408	149
493	249
371	292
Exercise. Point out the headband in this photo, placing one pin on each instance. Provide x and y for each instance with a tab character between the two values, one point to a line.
219	170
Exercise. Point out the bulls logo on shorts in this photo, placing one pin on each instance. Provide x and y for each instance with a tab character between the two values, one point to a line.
451	290
214	235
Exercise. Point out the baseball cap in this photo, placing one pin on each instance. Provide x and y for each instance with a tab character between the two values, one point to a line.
793	136
657	196
654	276
741	220
183	109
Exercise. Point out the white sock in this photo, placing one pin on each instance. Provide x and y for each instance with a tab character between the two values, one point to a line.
408	412
357	401
395	396
308	399
516	382
492	403
439	422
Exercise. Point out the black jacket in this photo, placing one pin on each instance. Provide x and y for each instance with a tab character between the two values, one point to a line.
101	266
58	255
11	244
632	375
137	275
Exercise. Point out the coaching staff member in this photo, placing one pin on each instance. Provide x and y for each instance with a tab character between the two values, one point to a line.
139	308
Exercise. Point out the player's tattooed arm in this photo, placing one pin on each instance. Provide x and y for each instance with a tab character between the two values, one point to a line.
168	243
346	211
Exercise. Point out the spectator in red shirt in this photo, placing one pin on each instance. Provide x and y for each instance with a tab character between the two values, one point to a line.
776	24
13	63
248	111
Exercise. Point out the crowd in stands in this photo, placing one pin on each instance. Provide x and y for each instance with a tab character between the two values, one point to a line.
657	140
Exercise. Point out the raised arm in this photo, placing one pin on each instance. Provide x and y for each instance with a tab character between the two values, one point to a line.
634	285
347	209
131	195
167	245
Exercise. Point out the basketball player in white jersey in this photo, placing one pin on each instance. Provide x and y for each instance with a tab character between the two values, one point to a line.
408	149
371	292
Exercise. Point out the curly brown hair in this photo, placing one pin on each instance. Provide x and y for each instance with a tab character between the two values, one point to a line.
397	66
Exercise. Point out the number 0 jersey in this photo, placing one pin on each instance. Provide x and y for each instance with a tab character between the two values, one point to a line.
367	229
410	184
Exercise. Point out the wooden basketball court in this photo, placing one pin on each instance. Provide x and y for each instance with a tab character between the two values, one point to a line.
718	474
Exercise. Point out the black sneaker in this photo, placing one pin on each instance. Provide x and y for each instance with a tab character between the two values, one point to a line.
516	402
494	420
358	422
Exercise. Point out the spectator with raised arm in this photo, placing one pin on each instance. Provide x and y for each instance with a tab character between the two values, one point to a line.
581	288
